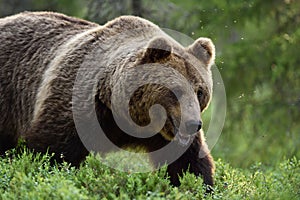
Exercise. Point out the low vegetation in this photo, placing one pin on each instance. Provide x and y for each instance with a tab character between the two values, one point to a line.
31	176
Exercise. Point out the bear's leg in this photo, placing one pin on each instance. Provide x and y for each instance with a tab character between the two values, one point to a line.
197	160
8	131
7	141
8	137
56	137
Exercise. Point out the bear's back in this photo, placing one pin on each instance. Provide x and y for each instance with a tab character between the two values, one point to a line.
30	33
29	41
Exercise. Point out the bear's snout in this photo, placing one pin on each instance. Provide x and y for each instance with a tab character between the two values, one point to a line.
193	126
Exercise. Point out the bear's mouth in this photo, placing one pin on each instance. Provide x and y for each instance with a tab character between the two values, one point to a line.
182	138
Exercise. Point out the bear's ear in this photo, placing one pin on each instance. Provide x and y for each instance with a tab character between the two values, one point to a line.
157	49
204	50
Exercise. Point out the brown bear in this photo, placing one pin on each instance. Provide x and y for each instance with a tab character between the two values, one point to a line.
40	57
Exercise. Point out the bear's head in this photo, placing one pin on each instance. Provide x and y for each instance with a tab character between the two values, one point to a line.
193	63
176	78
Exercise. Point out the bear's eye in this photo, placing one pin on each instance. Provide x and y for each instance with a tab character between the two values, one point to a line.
199	94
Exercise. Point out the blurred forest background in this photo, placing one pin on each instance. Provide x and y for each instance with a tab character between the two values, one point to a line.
258	45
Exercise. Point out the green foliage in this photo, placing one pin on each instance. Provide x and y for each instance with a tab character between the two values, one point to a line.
30	176
260	182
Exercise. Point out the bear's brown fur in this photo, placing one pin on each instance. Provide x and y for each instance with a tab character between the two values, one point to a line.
40	55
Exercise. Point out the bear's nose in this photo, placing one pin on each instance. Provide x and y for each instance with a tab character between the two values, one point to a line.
193	126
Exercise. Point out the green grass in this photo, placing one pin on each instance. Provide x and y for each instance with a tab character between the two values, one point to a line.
28	176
